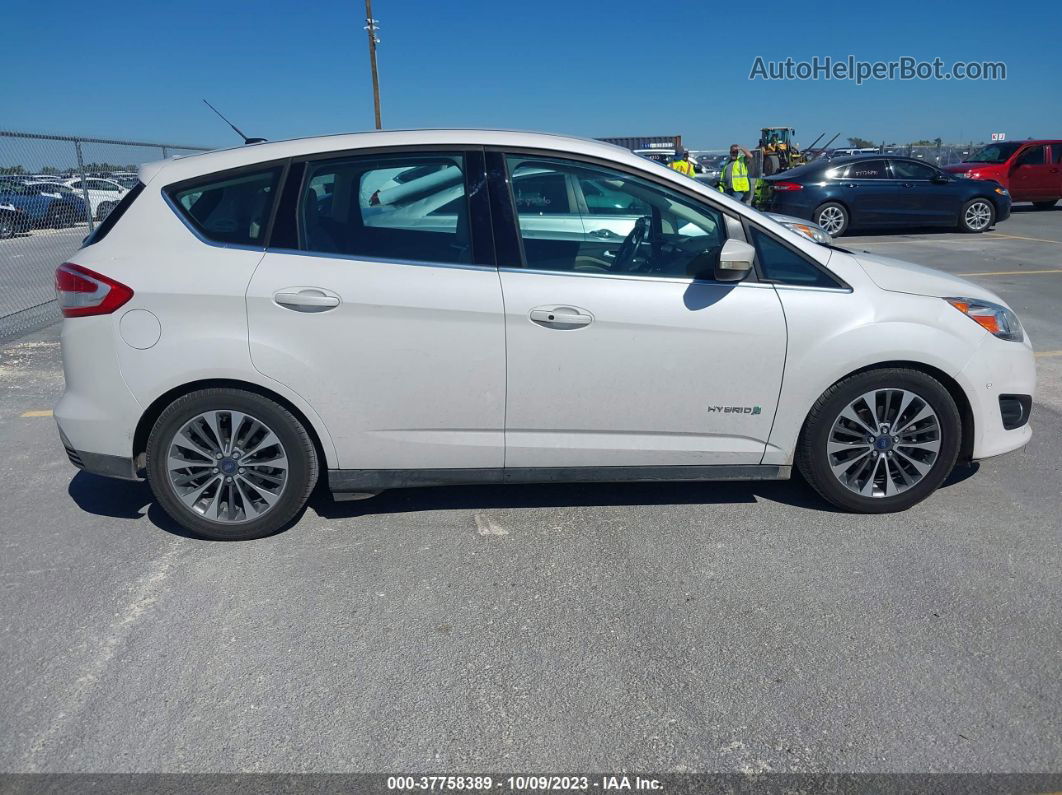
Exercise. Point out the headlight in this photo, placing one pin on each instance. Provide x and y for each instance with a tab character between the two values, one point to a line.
1002	191
995	319
812	232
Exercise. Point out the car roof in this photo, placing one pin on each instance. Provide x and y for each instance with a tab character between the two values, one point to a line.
183	167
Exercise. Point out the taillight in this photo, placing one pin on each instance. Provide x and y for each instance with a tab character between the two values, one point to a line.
82	292
787	186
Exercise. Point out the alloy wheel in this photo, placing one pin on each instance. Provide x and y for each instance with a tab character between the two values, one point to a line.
884	442
227	466
978	216
831	220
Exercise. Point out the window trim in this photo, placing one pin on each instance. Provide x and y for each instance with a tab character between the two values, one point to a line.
479	217
507	228
167	192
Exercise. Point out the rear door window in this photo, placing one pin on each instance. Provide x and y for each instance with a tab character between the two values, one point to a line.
867	169
406	207
229	208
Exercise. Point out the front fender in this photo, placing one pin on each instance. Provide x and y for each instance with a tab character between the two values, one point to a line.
833	334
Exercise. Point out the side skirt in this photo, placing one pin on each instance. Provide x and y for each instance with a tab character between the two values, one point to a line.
369	480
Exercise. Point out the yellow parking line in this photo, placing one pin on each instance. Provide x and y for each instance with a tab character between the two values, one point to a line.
1010	273
1048	353
1019	237
43	413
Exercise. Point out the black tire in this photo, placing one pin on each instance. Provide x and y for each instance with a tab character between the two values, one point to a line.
771	165
297	445
104	209
965	222
1045	205
832	210
812	458
59	217
7	227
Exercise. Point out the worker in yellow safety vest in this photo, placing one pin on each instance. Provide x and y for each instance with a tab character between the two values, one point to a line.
682	163
734	177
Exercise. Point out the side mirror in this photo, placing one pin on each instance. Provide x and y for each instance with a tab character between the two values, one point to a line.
735	261
940	179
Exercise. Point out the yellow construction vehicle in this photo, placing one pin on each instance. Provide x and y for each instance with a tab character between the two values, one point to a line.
779	151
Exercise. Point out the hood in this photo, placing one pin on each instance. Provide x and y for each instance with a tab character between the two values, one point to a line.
898	276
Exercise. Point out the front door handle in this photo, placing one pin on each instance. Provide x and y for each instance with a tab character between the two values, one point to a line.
306	299
561	317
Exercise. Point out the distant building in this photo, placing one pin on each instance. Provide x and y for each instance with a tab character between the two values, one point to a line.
655	147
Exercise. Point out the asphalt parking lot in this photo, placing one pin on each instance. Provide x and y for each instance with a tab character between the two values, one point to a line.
654	627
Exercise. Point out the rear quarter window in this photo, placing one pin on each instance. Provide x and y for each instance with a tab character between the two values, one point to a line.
232	207
115	215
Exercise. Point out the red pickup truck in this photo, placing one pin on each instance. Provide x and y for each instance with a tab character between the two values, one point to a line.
1030	170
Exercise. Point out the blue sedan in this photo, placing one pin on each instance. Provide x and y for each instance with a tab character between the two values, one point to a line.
881	191
44	203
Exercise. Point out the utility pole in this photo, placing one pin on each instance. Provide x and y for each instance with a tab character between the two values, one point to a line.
371	27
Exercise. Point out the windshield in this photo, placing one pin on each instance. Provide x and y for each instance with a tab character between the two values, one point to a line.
993	153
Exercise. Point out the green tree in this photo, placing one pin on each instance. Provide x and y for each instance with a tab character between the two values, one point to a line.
12	170
860	143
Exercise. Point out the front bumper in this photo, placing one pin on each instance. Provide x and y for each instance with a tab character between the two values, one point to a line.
999	369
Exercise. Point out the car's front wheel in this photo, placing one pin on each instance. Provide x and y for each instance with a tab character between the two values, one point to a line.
7	227
977	215
230	465
880	441
833	218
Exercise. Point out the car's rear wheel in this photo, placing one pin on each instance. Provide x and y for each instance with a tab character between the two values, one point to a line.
1045	205
60	217
230	465
880	441
977	215
104	210
7	227
833	218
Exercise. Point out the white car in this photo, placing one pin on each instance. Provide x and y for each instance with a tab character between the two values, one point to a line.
422	308
103	194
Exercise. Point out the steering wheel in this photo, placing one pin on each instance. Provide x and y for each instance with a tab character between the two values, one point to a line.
630	245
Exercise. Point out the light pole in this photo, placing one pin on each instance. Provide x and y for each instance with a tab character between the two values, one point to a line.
371	28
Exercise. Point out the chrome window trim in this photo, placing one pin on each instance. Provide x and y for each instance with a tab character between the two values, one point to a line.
634	277
381	260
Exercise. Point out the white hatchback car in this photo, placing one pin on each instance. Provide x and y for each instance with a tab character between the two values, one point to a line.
421	308
103	194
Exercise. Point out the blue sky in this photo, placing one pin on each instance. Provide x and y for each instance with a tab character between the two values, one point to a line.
282	68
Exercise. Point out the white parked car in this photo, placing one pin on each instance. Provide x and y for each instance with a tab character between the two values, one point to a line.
421	308
103	194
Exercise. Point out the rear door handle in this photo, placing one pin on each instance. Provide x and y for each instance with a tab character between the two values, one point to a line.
561	317
306	299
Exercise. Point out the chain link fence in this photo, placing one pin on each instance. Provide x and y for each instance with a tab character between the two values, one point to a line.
54	190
